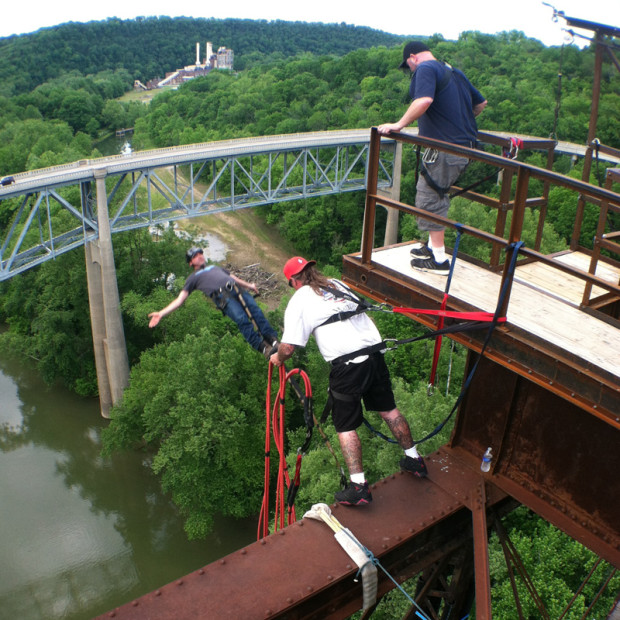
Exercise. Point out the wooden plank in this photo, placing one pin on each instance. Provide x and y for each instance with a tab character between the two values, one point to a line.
531	309
561	285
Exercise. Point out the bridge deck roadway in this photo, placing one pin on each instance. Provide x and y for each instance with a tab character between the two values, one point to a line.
302	572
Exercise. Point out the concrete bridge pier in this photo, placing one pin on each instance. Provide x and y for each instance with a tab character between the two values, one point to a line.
391	225
105	314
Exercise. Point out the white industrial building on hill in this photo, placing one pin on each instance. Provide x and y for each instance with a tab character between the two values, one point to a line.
223	59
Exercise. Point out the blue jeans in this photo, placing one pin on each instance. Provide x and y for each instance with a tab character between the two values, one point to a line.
235	311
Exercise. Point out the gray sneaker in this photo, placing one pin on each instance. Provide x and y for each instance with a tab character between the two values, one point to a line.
431	265
421	250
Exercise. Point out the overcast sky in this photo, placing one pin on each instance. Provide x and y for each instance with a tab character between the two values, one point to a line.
410	17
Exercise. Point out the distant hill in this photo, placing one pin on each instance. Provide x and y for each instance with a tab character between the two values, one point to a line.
148	47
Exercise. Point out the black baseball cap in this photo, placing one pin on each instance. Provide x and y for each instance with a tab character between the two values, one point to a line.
192	252
413	47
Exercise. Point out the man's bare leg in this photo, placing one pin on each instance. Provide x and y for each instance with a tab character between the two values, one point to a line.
351	451
399	427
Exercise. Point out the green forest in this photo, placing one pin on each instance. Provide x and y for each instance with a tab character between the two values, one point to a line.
195	404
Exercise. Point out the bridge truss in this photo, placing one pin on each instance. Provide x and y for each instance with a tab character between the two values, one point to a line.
45	213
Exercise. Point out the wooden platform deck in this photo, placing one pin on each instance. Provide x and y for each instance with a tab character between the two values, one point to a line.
543	317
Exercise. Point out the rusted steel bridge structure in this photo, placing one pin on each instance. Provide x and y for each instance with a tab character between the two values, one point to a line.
545	395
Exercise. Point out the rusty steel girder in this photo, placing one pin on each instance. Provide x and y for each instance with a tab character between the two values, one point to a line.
550	455
302	572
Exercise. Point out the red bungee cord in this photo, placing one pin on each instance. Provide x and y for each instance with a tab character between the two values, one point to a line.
275	418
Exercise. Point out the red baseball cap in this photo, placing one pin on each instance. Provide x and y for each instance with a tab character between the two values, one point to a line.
296	265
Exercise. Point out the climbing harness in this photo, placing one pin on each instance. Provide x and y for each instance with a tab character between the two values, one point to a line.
510	152
476	321
232	288
345	293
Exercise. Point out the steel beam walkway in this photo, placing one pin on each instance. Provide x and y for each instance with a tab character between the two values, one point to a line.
302	572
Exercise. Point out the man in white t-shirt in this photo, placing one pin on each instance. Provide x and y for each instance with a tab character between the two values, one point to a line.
327	309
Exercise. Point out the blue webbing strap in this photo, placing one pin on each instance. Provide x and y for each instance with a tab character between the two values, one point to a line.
373	559
502	296
440	321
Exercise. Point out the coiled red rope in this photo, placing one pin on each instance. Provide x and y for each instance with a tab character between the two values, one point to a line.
275	425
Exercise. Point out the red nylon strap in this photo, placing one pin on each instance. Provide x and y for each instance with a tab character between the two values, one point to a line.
451	314
431	381
443	314
263	518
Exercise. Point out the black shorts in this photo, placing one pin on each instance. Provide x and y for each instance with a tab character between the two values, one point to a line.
350	383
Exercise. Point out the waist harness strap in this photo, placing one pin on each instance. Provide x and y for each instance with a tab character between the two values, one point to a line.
442	191
222	295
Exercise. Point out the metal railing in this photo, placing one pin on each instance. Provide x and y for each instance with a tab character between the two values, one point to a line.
501	240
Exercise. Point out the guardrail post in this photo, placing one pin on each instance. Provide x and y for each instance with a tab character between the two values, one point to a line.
587	160
368	234
106	321
516	229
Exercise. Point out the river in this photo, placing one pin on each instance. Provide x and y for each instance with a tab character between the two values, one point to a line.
80	534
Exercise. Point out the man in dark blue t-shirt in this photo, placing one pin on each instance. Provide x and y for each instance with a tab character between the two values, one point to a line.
229	294
445	104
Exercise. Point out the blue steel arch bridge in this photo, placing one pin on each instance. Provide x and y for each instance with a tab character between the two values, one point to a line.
152	187
55	209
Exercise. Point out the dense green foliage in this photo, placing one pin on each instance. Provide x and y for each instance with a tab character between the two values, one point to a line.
46	308
364	88
148	47
196	397
518	76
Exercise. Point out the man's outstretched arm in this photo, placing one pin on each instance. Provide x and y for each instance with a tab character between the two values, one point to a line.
171	307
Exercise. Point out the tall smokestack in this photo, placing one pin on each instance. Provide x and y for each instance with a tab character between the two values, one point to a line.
209	52
197	53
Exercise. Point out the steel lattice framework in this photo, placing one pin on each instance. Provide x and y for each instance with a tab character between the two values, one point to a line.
47	212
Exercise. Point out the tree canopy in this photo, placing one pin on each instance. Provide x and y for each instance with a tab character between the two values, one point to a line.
148	47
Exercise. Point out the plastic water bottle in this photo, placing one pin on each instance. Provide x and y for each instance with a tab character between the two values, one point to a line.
486	460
